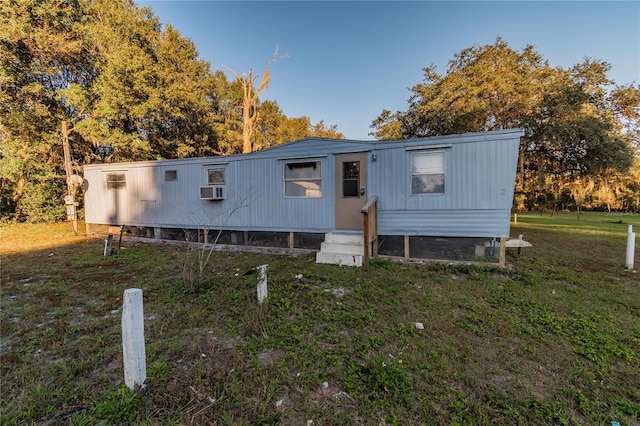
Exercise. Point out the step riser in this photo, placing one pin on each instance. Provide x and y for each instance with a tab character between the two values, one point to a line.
344	238
339	259
327	247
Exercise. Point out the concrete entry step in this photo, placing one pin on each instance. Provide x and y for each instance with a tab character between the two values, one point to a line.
341	249
344	238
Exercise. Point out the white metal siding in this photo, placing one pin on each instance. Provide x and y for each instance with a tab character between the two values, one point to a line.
479	179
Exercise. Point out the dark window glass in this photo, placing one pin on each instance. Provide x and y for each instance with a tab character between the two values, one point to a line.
170	175
350	178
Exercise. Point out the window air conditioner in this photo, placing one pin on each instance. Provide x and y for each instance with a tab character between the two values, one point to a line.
213	192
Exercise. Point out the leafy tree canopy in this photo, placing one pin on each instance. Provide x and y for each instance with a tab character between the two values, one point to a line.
578	124
129	87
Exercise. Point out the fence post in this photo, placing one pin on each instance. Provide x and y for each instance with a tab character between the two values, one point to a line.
631	247
262	283
133	352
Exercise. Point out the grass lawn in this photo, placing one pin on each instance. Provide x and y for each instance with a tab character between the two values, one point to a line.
553	339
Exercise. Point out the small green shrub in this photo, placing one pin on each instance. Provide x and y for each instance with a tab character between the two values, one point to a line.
121	404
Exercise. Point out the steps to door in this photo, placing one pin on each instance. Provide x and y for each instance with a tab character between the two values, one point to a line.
341	249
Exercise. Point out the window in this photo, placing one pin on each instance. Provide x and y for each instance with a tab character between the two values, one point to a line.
427	173
351	179
215	176
116	181
302	179
170	175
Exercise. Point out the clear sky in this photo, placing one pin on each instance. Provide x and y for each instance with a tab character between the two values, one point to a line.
350	60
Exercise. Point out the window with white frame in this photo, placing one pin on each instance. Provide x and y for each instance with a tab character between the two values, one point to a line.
215	176
427	172
116	180
302	179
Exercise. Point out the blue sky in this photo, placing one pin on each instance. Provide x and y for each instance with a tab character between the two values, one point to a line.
350	60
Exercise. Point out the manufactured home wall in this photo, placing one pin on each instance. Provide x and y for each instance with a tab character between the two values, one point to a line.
255	191
479	182
479	177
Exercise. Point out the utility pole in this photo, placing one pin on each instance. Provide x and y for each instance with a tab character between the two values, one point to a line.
72	180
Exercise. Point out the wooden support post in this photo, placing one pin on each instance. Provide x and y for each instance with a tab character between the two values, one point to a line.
406	247
133	351
366	237
291	241
503	251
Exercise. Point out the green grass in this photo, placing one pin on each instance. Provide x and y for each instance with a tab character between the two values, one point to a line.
613	224
553	339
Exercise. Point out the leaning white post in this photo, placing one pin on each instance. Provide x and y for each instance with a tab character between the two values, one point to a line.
262	283
631	247
133	353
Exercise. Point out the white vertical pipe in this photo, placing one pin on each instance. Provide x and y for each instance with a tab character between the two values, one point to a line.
631	248
262	283
133	352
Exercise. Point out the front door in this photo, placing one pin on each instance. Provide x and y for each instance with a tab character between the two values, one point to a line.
351	191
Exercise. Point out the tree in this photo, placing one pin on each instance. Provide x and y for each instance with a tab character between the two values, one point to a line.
250	98
41	52
150	98
575	128
580	189
129	88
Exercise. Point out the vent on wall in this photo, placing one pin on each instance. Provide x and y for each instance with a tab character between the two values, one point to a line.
213	192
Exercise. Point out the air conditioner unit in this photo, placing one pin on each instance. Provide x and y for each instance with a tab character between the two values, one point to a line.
213	192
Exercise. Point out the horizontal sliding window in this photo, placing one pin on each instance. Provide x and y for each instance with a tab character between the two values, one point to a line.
116	180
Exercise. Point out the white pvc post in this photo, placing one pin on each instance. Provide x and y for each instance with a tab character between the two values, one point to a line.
631	247
133	353
262	283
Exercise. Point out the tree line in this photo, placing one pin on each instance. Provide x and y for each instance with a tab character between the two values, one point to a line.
127	87
582	130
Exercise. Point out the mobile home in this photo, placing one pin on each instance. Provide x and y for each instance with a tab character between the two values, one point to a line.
418	191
